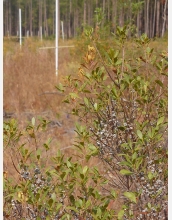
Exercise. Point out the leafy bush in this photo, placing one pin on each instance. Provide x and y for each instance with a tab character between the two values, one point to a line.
50	187
122	102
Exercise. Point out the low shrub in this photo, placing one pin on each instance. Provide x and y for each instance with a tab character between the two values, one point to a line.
47	187
122	102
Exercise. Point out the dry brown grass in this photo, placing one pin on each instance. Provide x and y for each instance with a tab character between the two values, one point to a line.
29	81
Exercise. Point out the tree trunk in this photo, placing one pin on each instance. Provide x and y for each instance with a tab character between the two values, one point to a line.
45	19
164	17
150	19
25	28
96	3
157	18
130	17
40	16
114	15
108	10
70	15
147	19
85	12
10	14
6	18
138	23
75	15
58	18
154	19
89	12
121	17
30	17
17	20
104	4
145	16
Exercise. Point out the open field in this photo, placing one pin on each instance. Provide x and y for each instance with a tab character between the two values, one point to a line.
29	73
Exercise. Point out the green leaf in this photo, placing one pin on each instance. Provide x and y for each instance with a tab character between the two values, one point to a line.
159	83
138	162
85	169
120	214
148	50
150	133
114	92
150	176
131	196
126	172
134	156
72	208
88	203
82	176
68	164
46	147
126	163
86	101
79	202
73	95
149	205
60	87
37	196
65	216
53	196
160	120
38	154
99	212
95	106
86	91
113	193
50	202
121	128
118	62
33	121
72	199
139	133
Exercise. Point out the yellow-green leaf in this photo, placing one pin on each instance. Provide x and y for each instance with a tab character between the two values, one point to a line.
139	133
131	196
125	172
160	120
120	214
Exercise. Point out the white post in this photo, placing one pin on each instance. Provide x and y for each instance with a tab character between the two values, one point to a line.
62	30
57	1
41	32
27	34
20	26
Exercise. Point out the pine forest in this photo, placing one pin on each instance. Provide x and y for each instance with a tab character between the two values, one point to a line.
146	16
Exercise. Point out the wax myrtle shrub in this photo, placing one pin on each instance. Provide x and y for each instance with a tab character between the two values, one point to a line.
39	185
122	102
